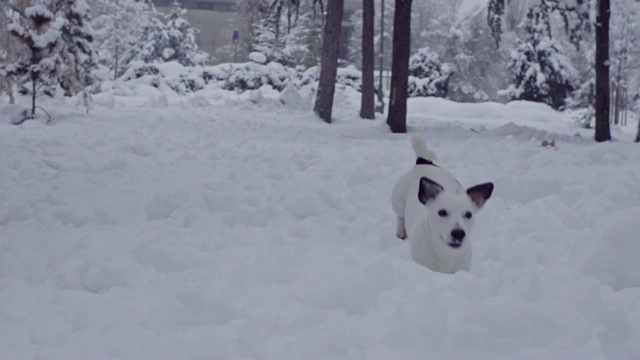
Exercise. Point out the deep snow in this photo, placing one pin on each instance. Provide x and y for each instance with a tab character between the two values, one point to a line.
226	226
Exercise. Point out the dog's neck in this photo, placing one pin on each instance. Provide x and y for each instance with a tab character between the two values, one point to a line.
423	161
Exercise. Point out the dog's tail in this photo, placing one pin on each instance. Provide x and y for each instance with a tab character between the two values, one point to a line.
421	150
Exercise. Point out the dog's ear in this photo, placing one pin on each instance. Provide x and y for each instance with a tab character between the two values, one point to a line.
428	190
480	193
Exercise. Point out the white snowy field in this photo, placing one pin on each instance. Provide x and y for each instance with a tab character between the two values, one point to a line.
211	226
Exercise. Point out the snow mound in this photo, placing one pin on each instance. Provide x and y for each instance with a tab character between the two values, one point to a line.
12	114
224	225
292	99
614	260
257	57
527	132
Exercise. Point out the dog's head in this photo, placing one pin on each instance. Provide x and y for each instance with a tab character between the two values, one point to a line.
451	216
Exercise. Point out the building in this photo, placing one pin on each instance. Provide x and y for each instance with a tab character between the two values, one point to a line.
215	19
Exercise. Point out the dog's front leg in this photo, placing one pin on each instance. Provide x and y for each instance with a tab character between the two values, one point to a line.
401	232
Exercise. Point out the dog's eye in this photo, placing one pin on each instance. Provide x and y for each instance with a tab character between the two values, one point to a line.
468	215
443	213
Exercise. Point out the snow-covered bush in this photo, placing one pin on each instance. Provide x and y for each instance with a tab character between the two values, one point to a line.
184	79
347	76
350	76
178	78
149	73
427	75
540	70
251	76
464	91
237	77
190	83
140	69
308	76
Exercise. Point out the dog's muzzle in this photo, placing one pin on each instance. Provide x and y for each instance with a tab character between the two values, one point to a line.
457	236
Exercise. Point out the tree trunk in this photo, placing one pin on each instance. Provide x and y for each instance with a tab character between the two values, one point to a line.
367	103
617	104
603	100
397	116
638	133
12	97
329	63
34	94
115	66
117	48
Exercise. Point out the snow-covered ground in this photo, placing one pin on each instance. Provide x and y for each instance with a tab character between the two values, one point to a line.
226	226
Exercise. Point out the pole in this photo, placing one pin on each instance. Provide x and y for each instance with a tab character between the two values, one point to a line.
235	39
380	108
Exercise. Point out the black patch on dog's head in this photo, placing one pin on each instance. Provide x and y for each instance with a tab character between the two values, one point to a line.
480	193
428	190
423	161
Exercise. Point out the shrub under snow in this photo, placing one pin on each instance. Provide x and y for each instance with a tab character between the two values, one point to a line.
251	76
427	75
347	76
236	77
178	78
541	72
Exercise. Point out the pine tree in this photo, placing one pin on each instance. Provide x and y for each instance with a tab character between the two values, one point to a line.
250	14
299	43
577	21
478	65
540	70
150	36
39	69
303	43
267	41
460	37
77	49
495	11
127	31
181	43
428	76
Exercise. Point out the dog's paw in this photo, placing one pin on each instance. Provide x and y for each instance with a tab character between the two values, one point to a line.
401	234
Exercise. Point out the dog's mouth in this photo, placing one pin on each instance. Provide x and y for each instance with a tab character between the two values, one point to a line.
453	244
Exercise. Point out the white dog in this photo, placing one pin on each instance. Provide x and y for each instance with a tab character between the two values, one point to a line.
437	212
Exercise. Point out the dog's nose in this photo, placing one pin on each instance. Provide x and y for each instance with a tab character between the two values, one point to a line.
458	234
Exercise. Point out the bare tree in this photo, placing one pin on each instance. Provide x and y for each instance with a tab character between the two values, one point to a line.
329	66
367	104
397	115
603	132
